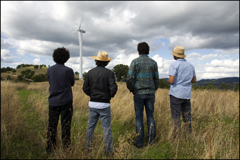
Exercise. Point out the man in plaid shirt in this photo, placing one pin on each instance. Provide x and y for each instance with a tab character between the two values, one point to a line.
142	80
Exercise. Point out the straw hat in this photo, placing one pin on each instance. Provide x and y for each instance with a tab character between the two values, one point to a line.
102	56
178	51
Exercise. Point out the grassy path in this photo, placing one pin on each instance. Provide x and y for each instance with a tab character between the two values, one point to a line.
29	145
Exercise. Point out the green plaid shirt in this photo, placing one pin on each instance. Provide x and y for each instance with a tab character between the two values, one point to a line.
142	77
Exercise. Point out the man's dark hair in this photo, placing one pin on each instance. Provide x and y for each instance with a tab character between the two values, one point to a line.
143	48
61	55
102	63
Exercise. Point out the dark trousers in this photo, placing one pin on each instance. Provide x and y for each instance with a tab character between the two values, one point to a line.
147	101
179	106
66	112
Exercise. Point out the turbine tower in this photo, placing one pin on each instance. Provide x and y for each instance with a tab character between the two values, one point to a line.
80	31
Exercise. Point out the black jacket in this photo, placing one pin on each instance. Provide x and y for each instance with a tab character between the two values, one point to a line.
60	78
100	84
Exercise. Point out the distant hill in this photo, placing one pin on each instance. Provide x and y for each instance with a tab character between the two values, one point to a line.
13	76
230	81
42	70
225	80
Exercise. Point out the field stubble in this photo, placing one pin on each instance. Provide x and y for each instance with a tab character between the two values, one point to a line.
215	122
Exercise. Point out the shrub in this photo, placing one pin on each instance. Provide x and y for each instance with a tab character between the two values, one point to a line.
20	77
163	84
8	77
40	78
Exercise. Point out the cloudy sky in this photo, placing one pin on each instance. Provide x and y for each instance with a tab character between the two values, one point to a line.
209	32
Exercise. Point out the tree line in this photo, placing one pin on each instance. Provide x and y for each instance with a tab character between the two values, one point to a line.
120	72
35	66
4	70
223	86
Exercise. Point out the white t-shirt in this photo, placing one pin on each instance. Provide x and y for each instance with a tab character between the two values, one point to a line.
98	105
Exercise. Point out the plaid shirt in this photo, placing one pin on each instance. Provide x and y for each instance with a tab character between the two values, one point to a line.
142	77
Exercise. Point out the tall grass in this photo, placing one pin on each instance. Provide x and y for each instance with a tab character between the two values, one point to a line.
215	124
10	117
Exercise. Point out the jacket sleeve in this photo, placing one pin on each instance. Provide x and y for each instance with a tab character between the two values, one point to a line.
48	75
156	77
72	78
112	85
86	86
130	77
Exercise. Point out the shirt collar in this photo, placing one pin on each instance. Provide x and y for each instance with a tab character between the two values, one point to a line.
182	59
101	66
59	64
143	55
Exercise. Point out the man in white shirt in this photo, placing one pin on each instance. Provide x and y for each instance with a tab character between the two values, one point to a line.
182	75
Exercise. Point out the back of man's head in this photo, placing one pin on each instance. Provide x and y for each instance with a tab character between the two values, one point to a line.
143	48
102	63
61	55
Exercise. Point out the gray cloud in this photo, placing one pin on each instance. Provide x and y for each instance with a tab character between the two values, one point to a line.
5	45
115	26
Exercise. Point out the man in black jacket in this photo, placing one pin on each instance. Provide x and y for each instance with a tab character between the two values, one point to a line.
100	85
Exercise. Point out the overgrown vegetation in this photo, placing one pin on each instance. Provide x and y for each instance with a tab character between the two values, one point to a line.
25	73
24	118
210	86
120	72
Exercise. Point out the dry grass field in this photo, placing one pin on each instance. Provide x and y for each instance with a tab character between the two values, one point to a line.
24	120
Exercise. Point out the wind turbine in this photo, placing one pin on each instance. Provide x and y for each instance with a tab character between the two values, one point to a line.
80	31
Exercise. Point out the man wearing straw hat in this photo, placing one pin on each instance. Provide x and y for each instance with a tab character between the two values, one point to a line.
181	76
101	86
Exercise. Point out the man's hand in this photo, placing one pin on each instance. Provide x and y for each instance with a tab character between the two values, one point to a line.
194	79
171	79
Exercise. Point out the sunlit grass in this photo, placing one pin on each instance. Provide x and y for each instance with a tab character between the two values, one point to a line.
24	120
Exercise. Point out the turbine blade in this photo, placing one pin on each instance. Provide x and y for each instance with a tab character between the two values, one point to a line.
81	21
74	31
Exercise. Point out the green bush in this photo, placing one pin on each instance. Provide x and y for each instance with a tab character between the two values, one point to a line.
40	78
163	84
20	77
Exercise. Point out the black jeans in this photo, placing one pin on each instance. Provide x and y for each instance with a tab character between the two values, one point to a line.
66	112
179	106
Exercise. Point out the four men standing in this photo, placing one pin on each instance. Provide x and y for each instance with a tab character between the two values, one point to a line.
100	85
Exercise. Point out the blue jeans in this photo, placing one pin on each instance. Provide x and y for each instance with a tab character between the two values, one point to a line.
179	106
147	100
105	117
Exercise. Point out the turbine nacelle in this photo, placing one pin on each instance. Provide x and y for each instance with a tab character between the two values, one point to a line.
80	30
